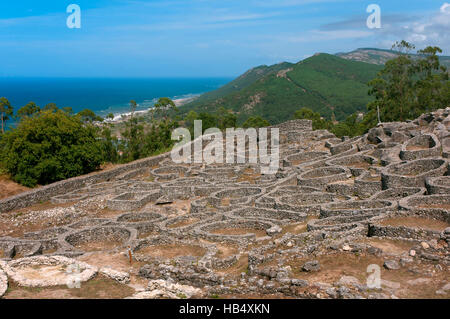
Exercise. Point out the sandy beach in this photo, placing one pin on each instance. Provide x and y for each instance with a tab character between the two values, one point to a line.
123	116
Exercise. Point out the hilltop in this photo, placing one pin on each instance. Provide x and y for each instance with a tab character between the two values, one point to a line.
156	228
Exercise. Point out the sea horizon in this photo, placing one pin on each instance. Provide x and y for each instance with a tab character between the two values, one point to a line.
104	95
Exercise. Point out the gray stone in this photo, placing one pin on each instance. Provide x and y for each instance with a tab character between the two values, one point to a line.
311	266
299	283
391	265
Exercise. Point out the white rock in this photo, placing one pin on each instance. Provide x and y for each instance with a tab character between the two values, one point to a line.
70	272
273	230
3	283
424	245
446	288
418	281
390	284
164	289
348	281
346	248
412	252
120	276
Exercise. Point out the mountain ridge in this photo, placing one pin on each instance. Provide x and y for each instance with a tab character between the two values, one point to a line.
334	85
322	82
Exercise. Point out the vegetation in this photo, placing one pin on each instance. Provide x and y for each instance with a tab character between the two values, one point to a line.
6	112
221	119
49	147
408	86
345	97
332	86
87	115
255	122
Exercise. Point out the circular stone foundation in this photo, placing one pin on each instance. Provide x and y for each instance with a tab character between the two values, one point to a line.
348	208
163	249
236	230
100	238
44	271
319	177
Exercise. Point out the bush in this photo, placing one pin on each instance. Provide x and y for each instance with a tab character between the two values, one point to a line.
255	122
50	147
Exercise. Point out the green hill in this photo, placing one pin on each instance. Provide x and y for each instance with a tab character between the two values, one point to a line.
324	83
245	80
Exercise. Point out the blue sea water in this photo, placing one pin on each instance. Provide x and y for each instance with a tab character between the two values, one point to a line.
103	96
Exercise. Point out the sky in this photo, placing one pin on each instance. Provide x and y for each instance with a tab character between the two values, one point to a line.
201	38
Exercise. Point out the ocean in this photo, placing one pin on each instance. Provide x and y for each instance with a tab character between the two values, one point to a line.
103	96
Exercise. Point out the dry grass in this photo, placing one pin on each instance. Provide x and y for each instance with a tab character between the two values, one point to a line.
97	288
184	223
416	222
224	251
438	206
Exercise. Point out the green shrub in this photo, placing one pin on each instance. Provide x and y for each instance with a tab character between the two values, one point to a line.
50	147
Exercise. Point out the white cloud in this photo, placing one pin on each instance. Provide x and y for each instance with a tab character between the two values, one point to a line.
445	8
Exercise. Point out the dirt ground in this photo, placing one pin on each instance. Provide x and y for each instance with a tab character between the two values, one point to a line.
10	188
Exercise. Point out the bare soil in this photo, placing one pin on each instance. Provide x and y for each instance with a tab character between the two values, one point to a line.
239	231
172	251
99	245
10	188
391	246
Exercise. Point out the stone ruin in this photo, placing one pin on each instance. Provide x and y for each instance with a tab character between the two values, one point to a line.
335	208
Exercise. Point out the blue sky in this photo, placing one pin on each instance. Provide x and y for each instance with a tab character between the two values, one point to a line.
200	38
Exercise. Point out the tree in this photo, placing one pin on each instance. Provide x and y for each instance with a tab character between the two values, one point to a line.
164	105
255	122
110	116
318	122
208	121
88	115
133	107
68	110
50	107
225	119
409	86
49	147
189	121
109	146
6	111
28	110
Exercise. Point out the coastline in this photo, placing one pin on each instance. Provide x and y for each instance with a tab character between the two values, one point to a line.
119	117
